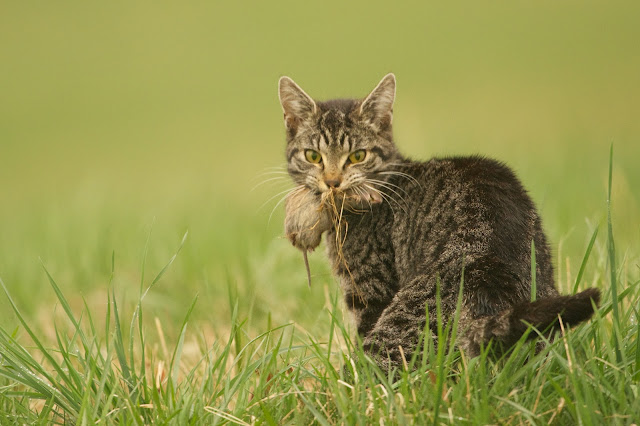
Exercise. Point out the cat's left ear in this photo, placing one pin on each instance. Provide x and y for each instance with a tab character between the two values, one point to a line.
377	108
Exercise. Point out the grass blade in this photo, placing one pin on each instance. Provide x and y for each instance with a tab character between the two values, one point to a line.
584	260
611	251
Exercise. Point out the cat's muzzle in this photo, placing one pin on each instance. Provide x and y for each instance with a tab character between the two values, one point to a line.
351	197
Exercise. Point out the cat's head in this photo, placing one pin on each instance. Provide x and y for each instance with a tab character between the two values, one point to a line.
342	145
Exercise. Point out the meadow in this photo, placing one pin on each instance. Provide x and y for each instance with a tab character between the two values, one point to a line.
145	274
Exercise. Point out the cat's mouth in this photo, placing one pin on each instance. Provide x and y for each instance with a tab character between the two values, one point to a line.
361	195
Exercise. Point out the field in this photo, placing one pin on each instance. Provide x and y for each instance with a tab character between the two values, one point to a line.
131	133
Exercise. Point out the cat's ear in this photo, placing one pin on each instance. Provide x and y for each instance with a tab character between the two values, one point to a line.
298	107
377	108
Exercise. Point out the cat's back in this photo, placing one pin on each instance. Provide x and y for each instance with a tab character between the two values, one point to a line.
470	181
472	206
493	192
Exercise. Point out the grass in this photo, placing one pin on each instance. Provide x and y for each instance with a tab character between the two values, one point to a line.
111	370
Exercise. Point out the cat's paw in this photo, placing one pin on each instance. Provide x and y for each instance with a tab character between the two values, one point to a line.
306	220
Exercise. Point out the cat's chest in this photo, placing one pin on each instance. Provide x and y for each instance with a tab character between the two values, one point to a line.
382	249
362	244
390	242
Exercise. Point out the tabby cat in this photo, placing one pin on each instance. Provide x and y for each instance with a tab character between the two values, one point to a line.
397	229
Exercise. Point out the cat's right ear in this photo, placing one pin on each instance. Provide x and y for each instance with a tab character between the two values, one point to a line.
298	107
377	108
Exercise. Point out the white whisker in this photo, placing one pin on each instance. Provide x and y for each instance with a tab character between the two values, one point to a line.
387	198
273	172
401	174
280	193
386	186
273	169
289	194
280	178
269	174
382	193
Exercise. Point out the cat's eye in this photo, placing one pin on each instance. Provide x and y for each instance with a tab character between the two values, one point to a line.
312	156
357	156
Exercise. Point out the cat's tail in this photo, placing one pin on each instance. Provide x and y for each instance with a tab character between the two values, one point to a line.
544	314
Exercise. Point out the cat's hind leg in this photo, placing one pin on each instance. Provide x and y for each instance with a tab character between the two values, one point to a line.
506	327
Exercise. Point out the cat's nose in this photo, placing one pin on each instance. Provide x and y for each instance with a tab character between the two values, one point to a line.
333	182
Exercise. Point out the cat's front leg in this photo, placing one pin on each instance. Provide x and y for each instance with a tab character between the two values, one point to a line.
402	326
306	219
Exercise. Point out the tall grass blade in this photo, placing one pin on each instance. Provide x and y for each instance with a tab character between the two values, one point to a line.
119	344
636	376
440	354
584	260
67	309
611	251
177	353
170	262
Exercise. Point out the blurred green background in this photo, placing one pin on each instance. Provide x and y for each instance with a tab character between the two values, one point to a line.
119	117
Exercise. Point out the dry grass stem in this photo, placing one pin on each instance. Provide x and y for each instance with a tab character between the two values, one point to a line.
338	220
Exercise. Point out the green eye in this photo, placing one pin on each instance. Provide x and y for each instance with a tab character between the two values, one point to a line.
357	156
313	156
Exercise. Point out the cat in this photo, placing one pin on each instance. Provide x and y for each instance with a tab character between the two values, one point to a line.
398	229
